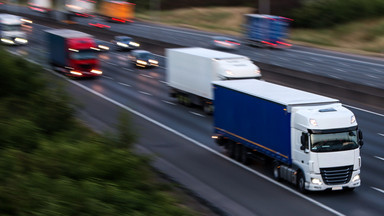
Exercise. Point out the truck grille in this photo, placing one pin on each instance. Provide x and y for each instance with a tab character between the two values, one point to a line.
336	175
85	67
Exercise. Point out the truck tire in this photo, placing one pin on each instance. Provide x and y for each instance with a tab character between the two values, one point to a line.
276	171
244	159
231	149
301	183
208	108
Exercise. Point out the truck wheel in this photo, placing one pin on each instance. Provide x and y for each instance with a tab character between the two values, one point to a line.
276	171
208	108
301	183
180	99
231	149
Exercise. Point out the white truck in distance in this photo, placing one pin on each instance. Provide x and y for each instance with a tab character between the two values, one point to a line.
10	30
313	141
190	72
84	8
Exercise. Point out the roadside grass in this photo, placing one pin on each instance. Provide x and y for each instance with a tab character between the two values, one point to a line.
360	37
226	20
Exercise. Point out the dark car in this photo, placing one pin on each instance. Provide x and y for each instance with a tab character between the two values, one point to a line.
125	43
222	42
143	58
102	46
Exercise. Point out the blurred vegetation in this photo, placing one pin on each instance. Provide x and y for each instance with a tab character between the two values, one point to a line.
52	165
326	13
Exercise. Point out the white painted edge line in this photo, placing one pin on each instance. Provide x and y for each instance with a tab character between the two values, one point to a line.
380	158
378	189
198	114
204	147
381	134
382	115
162	81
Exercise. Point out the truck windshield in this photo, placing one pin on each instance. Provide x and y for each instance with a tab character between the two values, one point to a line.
83	54
11	27
334	141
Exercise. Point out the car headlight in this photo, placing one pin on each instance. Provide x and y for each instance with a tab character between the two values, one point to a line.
356	178
122	44
316	181
134	44
141	62
76	73
21	40
103	47
153	61
7	41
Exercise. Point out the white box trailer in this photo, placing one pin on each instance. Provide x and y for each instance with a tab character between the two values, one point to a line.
190	72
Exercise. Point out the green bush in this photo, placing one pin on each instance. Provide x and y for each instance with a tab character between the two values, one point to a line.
325	13
52	165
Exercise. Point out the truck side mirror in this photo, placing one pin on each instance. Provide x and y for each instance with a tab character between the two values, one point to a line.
304	141
361	142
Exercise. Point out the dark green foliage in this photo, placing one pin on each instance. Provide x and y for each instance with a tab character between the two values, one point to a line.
52	165
325	13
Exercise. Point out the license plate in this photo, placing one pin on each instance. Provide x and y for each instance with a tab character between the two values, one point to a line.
337	188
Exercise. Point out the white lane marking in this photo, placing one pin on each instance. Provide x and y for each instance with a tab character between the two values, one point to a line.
380	158
372	76
340	69
380	190
124	84
335	57
374	113
127	69
145	75
113	64
198	114
331	75
108	77
162	81
200	145
308	63
146	93
168	102
381	134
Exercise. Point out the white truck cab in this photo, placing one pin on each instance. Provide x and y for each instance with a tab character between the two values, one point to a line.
326	146
10	30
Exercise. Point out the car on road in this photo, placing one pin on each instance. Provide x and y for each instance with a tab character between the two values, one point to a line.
102	46
143	58
221	42
125	43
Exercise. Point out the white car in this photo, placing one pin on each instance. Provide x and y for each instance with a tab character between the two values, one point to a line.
221	42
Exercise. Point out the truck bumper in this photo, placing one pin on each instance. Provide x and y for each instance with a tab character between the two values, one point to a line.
321	186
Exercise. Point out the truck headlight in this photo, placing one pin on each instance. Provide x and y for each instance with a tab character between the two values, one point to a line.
76	73
228	72
316	181
257	71
356	178
96	71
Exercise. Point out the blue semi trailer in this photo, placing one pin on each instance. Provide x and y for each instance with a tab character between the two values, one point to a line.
266	30
313	141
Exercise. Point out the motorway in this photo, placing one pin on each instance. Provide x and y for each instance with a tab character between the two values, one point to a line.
176	134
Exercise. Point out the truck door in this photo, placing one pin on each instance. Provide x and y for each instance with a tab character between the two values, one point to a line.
301	157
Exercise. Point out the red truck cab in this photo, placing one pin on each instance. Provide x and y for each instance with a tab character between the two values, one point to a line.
73	53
